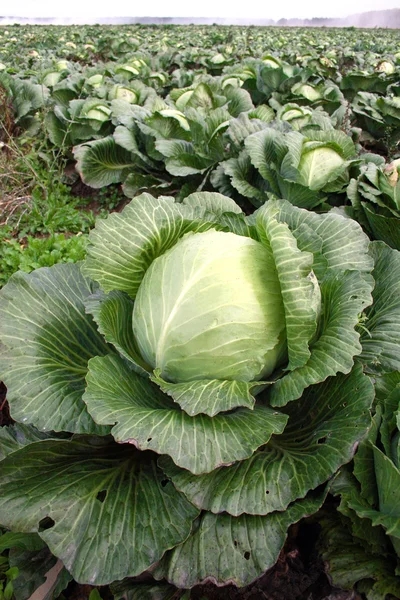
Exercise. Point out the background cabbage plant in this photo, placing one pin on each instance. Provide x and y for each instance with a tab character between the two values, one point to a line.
375	201
189	389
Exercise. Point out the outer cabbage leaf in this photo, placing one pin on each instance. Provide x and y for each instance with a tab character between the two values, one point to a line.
341	264
349	561
322	433
132	590
298	285
47	340
381	340
150	420
113	315
39	572
102	162
17	436
94	503
209	396
246	546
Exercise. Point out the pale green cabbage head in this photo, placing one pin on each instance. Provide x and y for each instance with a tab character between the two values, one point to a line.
211	308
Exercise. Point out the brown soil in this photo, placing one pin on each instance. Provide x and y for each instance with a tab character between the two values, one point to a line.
5	418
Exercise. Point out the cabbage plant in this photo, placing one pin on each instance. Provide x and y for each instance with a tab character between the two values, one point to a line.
187	391
375	200
361	543
302	167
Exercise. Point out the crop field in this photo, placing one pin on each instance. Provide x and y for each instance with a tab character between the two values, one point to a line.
199	313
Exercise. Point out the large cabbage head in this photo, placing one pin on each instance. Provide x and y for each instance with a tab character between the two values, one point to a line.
211	308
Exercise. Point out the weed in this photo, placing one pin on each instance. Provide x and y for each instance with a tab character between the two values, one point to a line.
33	253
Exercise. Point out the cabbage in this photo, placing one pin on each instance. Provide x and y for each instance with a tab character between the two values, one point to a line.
211	307
186	391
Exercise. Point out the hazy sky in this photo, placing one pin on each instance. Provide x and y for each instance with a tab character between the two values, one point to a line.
182	8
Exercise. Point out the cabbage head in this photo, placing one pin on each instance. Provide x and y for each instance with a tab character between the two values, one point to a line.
190	388
211	307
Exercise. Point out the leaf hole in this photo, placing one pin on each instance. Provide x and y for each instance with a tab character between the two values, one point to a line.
235	543
164	482
247	555
322	440
267	491
46	523
101	496
149	439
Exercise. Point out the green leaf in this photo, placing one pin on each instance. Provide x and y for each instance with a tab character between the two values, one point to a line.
245	179
348	487
344	296
381	343
39	573
388	480
125	244
344	245
241	127
17	436
137	182
239	101
299	286
341	264
126	138
113	315
364	467
350	561
299	195
58	128
147	418
47	340
213	202
322	433
209	396
225	549
103	509
23	541
102	162
261	147
383	228
182	158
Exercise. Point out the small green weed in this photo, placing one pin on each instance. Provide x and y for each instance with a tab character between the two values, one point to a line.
33	197
38	252
57	211
110	198
7	576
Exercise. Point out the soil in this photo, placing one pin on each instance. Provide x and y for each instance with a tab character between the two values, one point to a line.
5	418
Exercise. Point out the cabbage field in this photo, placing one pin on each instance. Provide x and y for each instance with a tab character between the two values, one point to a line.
199	313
